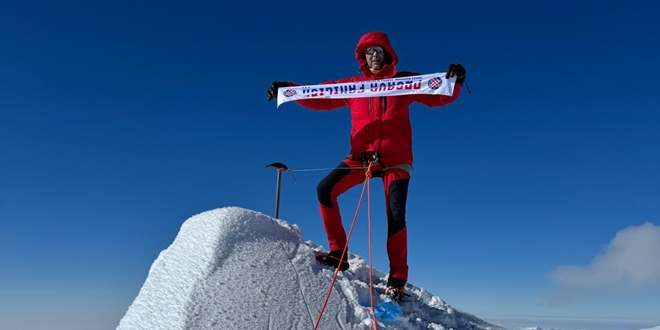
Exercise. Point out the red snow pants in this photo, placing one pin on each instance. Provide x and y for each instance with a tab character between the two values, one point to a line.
347	175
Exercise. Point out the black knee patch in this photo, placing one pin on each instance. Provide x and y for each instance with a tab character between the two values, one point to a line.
397	195
324	188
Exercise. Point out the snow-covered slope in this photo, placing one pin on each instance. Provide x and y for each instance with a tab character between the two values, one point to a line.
233	268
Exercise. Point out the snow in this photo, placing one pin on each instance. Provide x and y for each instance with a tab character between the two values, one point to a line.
233	268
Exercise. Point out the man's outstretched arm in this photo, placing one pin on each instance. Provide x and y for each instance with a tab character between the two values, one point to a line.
454	70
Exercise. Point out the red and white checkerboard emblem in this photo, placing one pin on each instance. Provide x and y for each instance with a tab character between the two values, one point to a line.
435	83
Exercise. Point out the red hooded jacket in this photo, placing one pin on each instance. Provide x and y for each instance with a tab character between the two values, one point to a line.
380	124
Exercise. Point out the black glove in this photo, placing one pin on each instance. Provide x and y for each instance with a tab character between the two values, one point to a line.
457	70
272	90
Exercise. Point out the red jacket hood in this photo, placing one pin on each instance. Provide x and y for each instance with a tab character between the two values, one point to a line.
376	39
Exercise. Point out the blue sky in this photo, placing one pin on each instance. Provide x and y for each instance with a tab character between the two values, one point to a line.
118	121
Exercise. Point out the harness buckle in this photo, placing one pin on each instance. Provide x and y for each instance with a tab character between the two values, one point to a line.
375	159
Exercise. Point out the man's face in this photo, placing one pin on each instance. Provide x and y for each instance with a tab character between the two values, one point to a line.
375	56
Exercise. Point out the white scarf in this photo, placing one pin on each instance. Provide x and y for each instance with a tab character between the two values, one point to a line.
434	83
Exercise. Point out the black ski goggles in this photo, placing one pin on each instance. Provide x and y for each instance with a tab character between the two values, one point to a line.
374	49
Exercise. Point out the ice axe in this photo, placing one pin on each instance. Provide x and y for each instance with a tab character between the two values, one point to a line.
280	167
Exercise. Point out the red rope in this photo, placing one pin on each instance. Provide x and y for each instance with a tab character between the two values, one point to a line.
371	277
348	238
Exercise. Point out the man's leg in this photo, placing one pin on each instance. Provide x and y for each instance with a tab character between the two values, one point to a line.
334	184
396	188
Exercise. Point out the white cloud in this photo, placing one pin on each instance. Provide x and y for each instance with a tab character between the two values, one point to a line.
630	263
